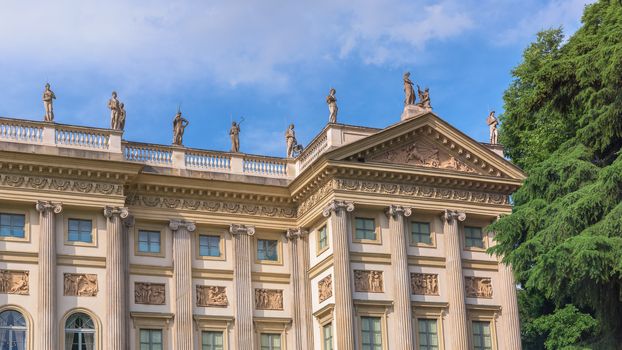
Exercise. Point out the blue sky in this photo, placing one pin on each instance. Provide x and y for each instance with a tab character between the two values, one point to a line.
272	62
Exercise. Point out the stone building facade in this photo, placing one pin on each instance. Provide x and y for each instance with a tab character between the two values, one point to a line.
369	239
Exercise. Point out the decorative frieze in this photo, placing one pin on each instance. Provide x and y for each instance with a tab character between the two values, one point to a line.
14	282
149	293
268	299
58	184
424	283
80	284
368	281
212	296
478	287
325	288
316	197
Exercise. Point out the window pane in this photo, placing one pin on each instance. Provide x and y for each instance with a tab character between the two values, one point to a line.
267	250
365	228
474	237
80	230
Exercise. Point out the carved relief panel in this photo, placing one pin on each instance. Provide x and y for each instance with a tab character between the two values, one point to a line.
268	299
424	283
212	296
149	293
80	284
478	287
14	282
368	281
325	288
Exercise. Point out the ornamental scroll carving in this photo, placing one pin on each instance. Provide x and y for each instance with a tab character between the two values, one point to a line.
325	288
80	284
149	293
478	287
58	184
424	283
368	281
268	299
212	296
14	282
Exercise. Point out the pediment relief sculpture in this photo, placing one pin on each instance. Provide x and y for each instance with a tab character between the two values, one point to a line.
212	296
80	284
14	282
423	153
424	283
268	299
368	281
478	287
149	293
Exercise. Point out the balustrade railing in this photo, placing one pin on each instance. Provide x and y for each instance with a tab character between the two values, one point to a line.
146	153
264	166
313	151
82	137
197	159
21	131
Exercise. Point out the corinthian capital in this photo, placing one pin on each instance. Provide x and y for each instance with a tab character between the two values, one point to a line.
294	233
397	210
450	216
336	205
239	229
110	211
177	224
47	206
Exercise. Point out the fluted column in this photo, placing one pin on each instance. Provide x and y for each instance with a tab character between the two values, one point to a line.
457	317
403	338
182	270
116	285
244	298
509	308
344	308
301	302
46	298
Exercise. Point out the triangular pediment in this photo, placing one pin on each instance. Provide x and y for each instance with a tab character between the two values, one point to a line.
428	142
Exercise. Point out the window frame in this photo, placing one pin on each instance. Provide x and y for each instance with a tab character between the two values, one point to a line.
430	311
431	225
151	228
370	216
273	325
270	335
151	320
29	323
319	249
98	340
140	330
484	313
26	214
484	237
81	216
209	323
222	246
279	249
378	309
149	242
324	316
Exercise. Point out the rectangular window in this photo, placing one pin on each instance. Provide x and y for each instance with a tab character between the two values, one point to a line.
270	341
365	229
323	238
421	233
428	334
212	341
149	242
481	336
12	225
209	245
80	231
473	237
151	339
267	249
327	336
371	336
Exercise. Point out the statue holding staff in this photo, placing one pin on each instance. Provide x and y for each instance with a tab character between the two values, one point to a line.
409	91
492	122
179	125
424	98
331	100
48	97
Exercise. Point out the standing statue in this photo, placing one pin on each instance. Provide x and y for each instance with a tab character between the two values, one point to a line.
492	122
424	98
408	90
121	119
290	140
115	111
332	106
179	125
48	96
234	133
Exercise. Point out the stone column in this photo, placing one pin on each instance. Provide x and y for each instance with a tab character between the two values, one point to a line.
182	270
344	308
116	280
398	227
301	302
457	317
244	294
47	328
509	308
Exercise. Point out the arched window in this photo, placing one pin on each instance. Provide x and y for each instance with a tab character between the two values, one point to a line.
12	330
79	332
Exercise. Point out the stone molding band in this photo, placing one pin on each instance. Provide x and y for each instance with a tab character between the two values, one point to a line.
338	205
240	229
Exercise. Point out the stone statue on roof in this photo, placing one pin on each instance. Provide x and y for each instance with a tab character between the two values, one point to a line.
179	126
331	100
115	111
234	133
424	98
48	97
409	91
492	122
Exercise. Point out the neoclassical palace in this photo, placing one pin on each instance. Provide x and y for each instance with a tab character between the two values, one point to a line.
367	239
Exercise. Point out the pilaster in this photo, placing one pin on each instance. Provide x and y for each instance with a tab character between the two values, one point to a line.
301	302
344	308
509	308
46	298
182	270
457	316
242	255
402	336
